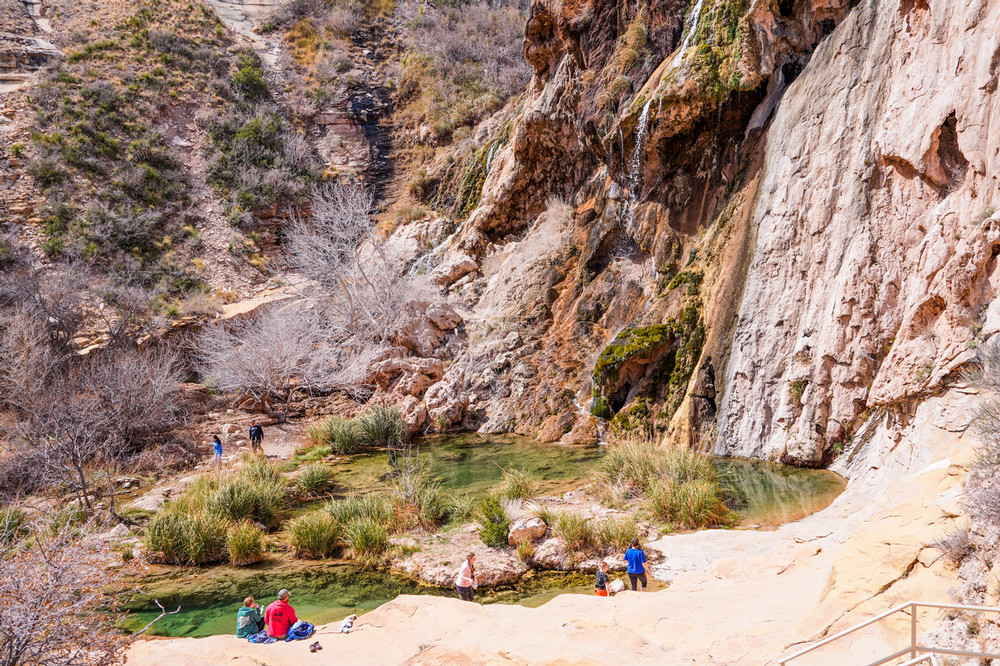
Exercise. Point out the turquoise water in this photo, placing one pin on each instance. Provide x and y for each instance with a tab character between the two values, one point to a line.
320	593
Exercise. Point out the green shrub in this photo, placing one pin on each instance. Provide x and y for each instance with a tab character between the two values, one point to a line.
368	539
206	539
315	535
382	427
515	484
244	544
166	535
314	479
576	530
241	498
248	80
617	531
461	507
495	523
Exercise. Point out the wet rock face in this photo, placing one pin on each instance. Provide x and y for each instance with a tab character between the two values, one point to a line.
874	266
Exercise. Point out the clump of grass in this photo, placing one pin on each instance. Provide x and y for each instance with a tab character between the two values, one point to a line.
576	530
315	535
461	507
314	479
336	434
689	504
382	427
515	484
495	523
617	531
368	539
525	551
241	498
165	535
13	525
420	497
373	506
548	515
313	453
244	544
206	540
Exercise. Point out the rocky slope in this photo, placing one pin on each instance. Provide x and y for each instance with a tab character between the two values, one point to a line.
788	226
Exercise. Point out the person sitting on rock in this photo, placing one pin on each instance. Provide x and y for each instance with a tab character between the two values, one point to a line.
248	619
601	581
280	616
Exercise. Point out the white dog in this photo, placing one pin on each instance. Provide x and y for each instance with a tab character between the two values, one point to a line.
345	626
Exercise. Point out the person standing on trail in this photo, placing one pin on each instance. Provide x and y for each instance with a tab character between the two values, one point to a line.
217	447
256	437
465	581
636	560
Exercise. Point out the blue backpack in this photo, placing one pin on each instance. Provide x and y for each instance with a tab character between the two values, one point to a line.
299	631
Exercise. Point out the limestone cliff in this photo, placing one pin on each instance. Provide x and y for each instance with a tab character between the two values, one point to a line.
779	221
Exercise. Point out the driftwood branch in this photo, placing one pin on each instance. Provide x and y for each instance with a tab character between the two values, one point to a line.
164	612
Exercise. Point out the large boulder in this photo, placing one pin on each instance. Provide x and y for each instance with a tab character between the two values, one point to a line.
449	271
443	316
414	414
526	528
447	400
552	554
407	376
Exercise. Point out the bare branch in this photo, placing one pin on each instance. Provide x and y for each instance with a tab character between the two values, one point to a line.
164	612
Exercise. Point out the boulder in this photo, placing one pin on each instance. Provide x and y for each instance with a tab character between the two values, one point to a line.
616	586
526	528
552	554
443	316
410	376
414	414
448	272
447	400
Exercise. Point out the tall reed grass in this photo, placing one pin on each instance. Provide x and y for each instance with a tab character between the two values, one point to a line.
315	535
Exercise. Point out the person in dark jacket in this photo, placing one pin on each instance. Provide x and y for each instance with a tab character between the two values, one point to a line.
256	437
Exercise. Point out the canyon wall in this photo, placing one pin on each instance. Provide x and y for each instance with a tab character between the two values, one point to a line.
783	226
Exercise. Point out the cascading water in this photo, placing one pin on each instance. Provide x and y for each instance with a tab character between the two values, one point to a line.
692	27
635	164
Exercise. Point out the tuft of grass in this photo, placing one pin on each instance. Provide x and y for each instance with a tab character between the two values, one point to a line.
525	551
315	535
548	515
206	539
382	427
515	484
244	544
314	479
13	525
344	436
617	531
495	523
577	531
165	535
372	506
689	504
368	539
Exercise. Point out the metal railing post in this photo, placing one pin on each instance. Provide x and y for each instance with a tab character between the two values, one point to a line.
913	630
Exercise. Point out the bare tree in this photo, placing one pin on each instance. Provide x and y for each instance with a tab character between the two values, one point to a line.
338	247
57	610
269	356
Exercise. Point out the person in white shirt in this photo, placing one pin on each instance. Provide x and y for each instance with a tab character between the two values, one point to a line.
466	581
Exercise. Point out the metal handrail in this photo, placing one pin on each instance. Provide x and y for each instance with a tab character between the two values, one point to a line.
913	648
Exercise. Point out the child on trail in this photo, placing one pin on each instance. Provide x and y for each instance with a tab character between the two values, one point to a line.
601	581
217	446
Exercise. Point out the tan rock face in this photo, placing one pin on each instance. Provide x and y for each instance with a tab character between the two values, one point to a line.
526	529
874	266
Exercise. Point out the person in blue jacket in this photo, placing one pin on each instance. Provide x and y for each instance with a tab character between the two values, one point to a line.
217	447
636	560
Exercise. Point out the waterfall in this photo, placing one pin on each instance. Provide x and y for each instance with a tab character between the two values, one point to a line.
692	27
635	174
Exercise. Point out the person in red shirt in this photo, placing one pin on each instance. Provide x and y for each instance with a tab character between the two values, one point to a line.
280	616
